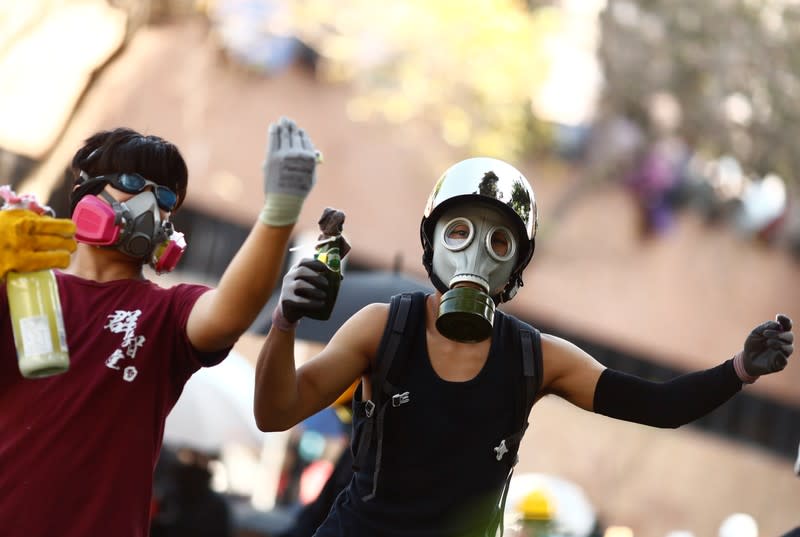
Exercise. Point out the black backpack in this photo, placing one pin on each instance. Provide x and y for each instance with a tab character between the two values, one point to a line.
392	361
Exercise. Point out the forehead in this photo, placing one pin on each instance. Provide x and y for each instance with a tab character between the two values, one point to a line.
476	212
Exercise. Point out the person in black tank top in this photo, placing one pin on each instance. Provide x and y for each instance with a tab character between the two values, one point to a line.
448	381
427	442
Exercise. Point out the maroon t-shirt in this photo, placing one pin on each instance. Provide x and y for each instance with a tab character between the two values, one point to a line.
77	450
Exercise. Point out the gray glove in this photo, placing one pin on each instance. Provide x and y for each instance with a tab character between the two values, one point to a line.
768	347
289	172
304	290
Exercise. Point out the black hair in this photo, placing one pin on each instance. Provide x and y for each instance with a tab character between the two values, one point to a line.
125	150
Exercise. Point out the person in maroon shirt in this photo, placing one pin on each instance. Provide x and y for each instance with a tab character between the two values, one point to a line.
77	450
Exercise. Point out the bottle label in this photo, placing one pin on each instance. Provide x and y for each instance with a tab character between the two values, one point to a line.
62	333
330	256
36	338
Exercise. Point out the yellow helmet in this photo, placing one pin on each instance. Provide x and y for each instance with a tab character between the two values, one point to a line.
537	505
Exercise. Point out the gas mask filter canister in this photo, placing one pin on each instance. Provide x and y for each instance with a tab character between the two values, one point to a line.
474	253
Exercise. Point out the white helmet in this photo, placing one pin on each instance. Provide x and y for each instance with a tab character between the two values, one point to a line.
738	525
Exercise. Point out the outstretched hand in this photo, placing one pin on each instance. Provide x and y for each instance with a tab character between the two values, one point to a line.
768	347
30	242
289	172
304	290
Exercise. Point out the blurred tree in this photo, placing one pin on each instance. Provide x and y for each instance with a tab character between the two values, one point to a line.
470	69
723	74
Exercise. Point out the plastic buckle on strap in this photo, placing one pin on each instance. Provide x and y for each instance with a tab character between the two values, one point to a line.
501	450
369	408
400	399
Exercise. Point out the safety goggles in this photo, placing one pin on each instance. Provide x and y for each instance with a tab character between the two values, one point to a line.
133	183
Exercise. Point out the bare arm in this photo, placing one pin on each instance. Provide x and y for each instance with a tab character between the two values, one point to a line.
569	372
220	316
285	396
578	378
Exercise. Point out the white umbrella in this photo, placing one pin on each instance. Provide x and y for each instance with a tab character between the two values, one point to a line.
216	408
574	514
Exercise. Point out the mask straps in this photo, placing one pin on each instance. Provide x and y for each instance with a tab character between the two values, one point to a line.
85	187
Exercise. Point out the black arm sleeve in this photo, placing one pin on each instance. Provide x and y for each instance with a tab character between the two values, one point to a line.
667	404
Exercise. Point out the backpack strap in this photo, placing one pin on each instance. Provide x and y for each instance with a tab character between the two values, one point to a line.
530	347
392	356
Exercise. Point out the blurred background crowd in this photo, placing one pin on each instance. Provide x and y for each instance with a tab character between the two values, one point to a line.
659	136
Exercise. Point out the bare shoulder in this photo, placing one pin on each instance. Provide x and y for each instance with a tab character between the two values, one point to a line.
362	332
561	353
370	316
349	354
376	309
568	370
558	347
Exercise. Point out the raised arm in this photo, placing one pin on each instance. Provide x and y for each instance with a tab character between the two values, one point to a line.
577	377
221	315
284	395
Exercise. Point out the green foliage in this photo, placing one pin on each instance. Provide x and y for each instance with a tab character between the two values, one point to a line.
468	68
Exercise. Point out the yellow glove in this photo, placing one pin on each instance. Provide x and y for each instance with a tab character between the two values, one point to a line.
29	242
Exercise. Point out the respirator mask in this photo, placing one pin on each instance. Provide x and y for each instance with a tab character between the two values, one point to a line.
477	235
133	227
474	254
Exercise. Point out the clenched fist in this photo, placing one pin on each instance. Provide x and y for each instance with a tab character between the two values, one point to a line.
304	290
768	347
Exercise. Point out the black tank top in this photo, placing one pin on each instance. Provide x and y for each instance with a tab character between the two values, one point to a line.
439	474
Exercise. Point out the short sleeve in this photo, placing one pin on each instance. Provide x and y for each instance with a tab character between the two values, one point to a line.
186	296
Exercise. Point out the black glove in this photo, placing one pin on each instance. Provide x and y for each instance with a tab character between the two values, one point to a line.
303	290
768	347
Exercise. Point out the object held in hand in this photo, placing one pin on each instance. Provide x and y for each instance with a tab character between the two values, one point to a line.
331	248
31	243
24	201
30	240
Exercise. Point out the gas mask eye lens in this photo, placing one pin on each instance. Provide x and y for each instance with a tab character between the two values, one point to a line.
133	183
500	243
458	234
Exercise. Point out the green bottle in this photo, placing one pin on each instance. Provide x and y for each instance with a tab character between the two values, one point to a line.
330	254
38	323
35	308
331	248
